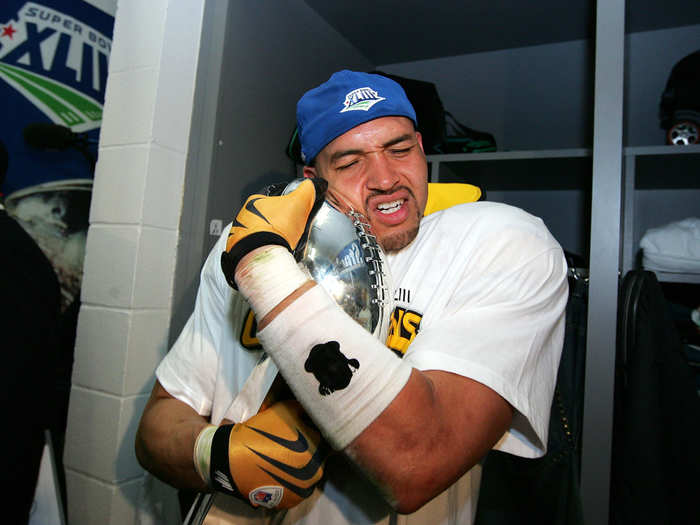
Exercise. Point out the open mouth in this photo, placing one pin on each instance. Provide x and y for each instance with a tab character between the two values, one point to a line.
388	208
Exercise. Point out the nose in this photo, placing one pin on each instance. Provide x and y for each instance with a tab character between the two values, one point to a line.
382	175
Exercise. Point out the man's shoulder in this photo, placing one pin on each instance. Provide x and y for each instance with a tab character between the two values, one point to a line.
484	215
468	228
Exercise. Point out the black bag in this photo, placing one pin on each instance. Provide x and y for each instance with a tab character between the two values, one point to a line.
430	112
679	109
461	139
294	147
441	131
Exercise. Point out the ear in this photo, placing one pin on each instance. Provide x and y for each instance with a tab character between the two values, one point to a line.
309	172
420	141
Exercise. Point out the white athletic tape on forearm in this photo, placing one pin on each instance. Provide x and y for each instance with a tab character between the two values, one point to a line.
269	276
366	375
202	452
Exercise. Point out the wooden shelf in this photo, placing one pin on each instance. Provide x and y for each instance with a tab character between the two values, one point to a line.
510	155
661	150
516	170
669	277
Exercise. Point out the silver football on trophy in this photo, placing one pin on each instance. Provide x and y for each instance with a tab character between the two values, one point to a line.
343	257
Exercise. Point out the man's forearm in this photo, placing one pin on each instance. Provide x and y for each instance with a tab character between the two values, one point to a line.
165	441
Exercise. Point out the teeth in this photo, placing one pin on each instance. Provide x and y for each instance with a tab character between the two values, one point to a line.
390	207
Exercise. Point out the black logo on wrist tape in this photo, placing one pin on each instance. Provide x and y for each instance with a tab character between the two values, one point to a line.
330	366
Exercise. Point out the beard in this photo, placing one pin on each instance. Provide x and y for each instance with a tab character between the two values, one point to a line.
394	242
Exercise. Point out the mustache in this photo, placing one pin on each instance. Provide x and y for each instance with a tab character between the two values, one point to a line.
387	192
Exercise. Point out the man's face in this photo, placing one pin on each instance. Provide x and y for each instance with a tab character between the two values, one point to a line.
380	169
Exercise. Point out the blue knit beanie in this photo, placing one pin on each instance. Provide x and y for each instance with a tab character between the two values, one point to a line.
344	101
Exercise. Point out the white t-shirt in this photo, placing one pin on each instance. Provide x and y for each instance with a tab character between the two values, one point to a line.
480	292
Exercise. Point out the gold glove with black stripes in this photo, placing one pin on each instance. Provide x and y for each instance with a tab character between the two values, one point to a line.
272	220
273	460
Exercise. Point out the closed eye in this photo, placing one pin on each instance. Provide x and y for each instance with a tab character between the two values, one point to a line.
346	166
402	151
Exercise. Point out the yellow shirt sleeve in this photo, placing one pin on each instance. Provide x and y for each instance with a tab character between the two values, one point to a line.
442	195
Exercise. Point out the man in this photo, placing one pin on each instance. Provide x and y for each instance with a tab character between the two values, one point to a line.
29	324
485	287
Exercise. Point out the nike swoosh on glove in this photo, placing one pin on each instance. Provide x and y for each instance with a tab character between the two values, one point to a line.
265	220
274	460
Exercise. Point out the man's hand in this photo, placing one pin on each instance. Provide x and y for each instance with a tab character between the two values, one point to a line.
272	220
274	460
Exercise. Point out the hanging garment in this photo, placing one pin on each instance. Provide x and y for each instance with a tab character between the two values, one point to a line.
655	477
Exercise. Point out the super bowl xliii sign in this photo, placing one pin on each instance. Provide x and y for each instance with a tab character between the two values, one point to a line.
53	68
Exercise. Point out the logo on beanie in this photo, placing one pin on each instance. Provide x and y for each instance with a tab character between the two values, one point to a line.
361	99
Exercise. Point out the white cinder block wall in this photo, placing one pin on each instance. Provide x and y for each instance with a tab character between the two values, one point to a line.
130	260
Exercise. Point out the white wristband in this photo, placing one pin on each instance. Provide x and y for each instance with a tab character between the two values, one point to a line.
338	371
268	277
202	452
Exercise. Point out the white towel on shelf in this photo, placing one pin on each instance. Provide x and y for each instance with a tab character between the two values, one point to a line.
674	247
